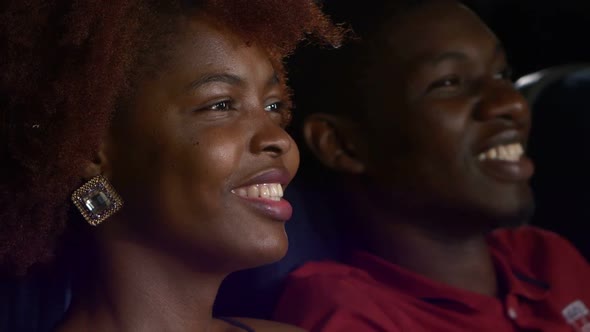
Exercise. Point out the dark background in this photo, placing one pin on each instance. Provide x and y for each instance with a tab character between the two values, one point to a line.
539	34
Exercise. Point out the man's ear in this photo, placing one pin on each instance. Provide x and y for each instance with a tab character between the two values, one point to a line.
99	165
334	140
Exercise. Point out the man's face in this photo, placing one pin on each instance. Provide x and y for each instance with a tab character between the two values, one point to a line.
448	127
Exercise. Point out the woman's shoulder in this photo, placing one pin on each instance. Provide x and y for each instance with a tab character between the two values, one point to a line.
260	325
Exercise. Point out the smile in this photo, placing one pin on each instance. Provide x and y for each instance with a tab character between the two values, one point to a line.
508	152
266	198
506	162
271	191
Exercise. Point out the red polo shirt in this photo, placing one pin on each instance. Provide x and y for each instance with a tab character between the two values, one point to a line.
548	284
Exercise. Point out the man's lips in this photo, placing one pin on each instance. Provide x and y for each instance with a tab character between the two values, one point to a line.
502	156
520	170
502	138
506	163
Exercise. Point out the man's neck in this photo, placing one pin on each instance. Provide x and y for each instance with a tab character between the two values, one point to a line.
462	261
136	288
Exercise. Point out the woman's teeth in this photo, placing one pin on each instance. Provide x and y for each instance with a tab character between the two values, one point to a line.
509	152
272	191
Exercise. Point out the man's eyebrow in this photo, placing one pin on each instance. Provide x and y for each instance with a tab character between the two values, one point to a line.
211	78
500	50
460	56
451	55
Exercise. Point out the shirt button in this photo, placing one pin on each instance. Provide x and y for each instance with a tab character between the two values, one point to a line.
512	313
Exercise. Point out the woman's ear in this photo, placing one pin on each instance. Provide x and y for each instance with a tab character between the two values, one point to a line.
334	140
99	165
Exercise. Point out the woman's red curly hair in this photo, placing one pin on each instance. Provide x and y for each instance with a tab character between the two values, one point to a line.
65	65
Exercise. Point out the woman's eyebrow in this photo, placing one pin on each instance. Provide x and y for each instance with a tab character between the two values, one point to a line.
229	79
212	78
273	80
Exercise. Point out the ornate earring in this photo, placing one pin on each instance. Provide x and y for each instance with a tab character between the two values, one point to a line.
97	200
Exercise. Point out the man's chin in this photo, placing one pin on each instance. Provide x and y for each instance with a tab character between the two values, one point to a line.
462	220
460	217
515	218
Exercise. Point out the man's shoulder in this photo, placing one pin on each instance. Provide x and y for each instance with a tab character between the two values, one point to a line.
327	269
529	238
327	277
542	252
328	282
260	325
333	296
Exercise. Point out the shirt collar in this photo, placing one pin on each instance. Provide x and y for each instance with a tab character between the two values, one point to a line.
514	275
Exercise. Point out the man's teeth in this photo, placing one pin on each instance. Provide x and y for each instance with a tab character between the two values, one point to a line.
509	152
273	191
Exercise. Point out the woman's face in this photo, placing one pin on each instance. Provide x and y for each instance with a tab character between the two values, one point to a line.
202	153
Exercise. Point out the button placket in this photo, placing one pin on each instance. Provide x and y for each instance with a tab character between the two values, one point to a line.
512	307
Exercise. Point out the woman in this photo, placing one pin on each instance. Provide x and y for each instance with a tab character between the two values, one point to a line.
162	125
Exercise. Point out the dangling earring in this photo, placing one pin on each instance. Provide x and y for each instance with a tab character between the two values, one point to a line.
97	200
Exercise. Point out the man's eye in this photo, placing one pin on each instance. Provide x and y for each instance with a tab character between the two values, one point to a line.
274	107
220	106
505	74
444	83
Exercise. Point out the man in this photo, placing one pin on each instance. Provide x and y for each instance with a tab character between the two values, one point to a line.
429	134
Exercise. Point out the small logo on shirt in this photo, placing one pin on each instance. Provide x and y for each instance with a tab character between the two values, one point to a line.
578	316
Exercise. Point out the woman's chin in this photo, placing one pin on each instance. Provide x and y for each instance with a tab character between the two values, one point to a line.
269	251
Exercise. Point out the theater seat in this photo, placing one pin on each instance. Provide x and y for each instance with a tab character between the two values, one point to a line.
559	145
534	84
34	303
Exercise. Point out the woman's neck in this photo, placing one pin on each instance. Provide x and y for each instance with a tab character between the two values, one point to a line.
128	286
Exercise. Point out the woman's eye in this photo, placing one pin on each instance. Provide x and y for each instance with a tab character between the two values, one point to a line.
281	109
274	107
445	83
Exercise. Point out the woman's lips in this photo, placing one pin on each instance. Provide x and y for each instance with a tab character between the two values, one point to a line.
264	193
272	191
275	208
